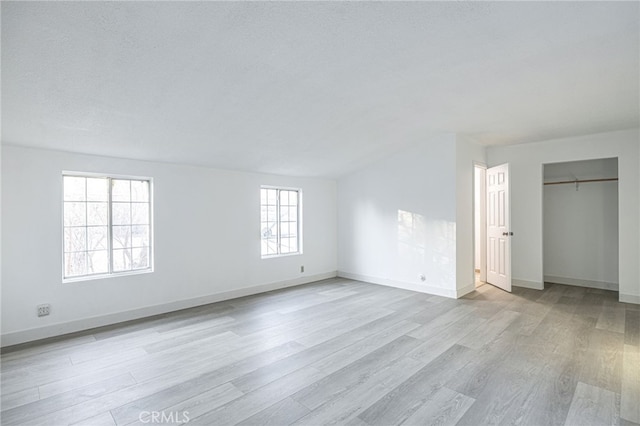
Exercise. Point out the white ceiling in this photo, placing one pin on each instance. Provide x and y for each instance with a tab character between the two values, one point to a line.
311	88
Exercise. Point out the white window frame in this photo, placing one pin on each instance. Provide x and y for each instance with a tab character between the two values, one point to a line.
299	221
111	273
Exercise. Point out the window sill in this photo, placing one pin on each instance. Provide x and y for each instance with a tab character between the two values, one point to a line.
106	276
273	256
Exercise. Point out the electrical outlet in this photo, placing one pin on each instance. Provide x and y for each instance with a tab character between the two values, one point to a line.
44	310
302	269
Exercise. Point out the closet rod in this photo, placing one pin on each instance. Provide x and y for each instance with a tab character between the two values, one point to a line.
581	181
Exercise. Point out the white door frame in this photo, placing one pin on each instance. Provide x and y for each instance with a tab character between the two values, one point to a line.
483	219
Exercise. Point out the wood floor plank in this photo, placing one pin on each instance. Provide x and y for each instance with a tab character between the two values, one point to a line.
487	308
525	324
210	357
356	421
40	361
29	375
591	305
575	292
322	297
630	392
211	317
44	373
187	409
632	327
351	341
349	354
16	399
39	349
311	320
559	332
284	412
353	374
109	358
26	413
612	317
74	376
344	410
65	385
222	338
565	307
415	303
445	407
354	322
593	406
550	391
80	411
311	355
102	419
435	313
523	379
494	326
551	294
403	400
445	339
252	403
529	306
512	385
603	366
554	388
434	325
473	378
206	381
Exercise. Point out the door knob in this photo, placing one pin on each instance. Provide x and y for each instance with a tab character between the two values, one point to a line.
506	234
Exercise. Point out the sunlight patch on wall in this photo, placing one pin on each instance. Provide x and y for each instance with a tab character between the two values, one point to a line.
425	246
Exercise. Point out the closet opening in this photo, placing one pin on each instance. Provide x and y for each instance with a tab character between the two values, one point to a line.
580	223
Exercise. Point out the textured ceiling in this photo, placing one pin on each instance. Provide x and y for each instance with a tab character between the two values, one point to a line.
311	88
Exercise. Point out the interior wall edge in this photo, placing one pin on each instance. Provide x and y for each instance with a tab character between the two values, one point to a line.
53	330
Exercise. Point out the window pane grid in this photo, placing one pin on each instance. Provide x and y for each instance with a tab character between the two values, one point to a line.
279	221
106	225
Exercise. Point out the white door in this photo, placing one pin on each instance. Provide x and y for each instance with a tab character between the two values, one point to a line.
498	233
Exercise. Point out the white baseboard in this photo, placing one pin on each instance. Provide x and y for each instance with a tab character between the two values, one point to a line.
59	329
535	285
581	283
421	288
629	298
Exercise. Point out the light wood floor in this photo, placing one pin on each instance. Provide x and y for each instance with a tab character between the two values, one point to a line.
344	352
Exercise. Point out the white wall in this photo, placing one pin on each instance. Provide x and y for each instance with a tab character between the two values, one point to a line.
207	243
397	219
581	234
526	200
